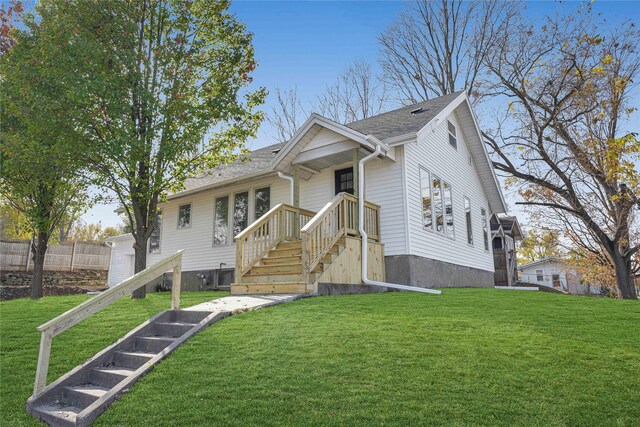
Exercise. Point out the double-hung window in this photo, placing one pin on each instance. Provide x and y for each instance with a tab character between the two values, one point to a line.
485	230
154	239
453	140
263	201
448	209
184	216
467	215
437	204
425	189
240	212
221	221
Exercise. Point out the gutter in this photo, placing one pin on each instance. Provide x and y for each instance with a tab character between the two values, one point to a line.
365	238
290	179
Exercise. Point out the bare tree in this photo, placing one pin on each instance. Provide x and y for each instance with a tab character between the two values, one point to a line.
563	137
288	114
440	46
356	95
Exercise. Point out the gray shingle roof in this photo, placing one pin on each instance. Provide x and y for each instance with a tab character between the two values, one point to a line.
401	121
258	161
386	125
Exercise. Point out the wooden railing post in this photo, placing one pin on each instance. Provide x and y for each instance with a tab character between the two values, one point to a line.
175	287
43	362
304	236
239	260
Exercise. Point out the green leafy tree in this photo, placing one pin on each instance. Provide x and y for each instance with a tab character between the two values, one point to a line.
158	91
39	173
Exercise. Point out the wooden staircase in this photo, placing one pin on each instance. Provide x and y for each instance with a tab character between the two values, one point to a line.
281	271
288	248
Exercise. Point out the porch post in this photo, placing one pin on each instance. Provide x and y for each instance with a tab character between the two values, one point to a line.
356	183
296	199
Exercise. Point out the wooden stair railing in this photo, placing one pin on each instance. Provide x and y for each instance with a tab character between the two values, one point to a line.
337	218
282	222
88	308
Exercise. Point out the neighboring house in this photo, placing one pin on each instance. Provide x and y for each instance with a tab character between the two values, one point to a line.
430	192
554	273
122	256
505	232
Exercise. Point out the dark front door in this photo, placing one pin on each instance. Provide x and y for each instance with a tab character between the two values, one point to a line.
344	180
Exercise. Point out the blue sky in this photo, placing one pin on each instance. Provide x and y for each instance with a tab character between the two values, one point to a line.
308	44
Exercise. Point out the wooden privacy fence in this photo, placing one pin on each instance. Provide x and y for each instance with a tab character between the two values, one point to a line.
16	255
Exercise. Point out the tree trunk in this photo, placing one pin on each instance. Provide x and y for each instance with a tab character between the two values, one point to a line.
39	250
624	276
140	263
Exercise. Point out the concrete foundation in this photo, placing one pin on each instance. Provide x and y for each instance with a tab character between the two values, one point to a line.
429	273
197	280
345	289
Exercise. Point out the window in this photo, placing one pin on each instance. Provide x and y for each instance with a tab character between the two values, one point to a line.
263	201
467	214
539	276
436	197
240	212
344	181
485	231
221	221
425	188
154	239
184	216
448	210
452	135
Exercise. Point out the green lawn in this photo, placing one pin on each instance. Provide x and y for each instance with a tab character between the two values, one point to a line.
469	356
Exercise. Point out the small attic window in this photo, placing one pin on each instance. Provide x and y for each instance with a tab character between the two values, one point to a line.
452	135
417	111
275	151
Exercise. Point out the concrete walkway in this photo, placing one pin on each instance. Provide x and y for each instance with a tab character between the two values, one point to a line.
239	303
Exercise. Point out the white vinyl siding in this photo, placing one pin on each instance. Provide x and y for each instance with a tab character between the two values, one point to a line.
433	152
197	241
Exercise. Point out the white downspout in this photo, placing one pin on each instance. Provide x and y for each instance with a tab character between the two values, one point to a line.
365	238
290	179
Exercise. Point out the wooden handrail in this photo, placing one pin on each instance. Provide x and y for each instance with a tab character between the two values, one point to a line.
88	308
253	243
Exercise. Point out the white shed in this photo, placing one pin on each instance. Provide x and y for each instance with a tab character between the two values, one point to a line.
122	256
554	273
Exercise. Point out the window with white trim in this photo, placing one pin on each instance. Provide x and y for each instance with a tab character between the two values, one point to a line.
485	229
448	209
539	276
154	239
453	140
221	221
467	215
184	216
240	212
436	203
425	189
263	201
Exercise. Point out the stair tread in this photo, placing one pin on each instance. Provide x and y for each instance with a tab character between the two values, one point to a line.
293	264
115	370
275	273
157	338
136	353
176	323
67	412
90	389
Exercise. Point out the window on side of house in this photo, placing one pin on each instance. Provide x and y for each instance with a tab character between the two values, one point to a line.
184	216
436	197
263	201
485	230
448	210
240	212
467	215
221	221
539	276
453	140
154	239
425	190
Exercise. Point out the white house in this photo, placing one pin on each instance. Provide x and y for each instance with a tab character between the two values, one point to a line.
429	186
554	273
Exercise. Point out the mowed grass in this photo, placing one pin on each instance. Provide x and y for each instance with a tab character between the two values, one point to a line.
19	340
467	357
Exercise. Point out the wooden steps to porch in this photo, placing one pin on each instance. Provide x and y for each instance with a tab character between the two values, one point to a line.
280	272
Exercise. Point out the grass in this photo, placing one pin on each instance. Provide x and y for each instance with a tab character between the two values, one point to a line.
19	340
469	356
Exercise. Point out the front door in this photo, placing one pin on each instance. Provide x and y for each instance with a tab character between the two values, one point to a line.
344	180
